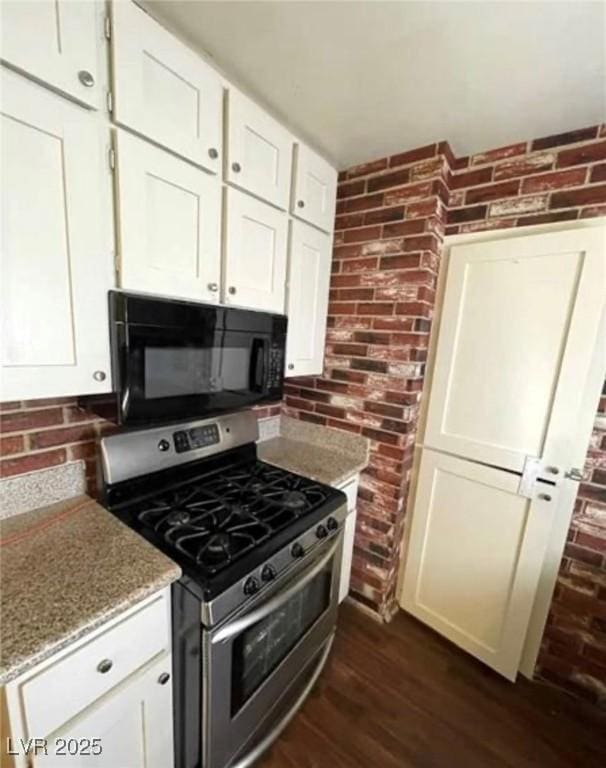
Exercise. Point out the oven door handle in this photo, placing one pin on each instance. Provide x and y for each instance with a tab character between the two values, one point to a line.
260	748
242	623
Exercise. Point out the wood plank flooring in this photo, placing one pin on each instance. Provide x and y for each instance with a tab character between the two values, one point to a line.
399	696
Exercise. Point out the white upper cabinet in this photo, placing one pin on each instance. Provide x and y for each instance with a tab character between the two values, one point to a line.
169	223
59	43
56	244
259	151
314	189
163	90
308	283
255	253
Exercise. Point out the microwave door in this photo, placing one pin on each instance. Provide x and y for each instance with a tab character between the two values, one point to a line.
256	378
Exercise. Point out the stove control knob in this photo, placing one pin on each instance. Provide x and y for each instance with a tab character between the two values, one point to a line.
251	586
332	524
321	532
297	550
268	573
163	445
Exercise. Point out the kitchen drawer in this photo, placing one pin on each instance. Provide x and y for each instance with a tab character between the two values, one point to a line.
350	489
62	690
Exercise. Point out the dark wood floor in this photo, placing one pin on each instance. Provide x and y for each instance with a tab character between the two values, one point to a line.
399	696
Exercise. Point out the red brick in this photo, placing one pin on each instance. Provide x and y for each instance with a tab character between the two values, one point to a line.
588	153
409	192
375	308
350	189
498	154
12	405
421	209
362	234
410	227
471	178
384	215
404	158
524	166
576	197
360	265
344	281
89	450
341	308
51	437
598	173
32	462
23	420
492	192
557	180
362	203
415	308
366	168
359	350
311	417
591	542
349	220
387	180
352	376
423	243
380	437
373	366
12	444
381	409
571	137
458	215
337	424
547	218
594	210
427	169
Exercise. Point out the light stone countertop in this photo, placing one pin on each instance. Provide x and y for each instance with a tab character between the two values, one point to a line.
65	569
327	455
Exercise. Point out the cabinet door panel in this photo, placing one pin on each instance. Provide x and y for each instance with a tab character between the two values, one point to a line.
474	556
259	151
56	244
169	223
163	90
308	285
315	189
55	42
255	253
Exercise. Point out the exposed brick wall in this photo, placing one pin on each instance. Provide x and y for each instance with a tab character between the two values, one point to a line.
392	214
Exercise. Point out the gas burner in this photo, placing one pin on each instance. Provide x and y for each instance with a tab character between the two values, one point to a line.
179	517
294	500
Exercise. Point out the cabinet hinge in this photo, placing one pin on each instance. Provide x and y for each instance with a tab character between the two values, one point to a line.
110	101
107	27
111	157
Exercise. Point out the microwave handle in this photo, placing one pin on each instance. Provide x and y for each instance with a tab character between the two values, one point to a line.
257	365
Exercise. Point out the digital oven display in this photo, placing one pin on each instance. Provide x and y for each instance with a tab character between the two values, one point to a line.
198	437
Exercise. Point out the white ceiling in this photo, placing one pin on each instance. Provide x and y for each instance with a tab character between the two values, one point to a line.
360	80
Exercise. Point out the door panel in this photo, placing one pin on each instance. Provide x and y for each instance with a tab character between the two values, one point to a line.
516	311
163	90
56	247
315	189
169	216
259	151
55	42
474	556
255	253
308	285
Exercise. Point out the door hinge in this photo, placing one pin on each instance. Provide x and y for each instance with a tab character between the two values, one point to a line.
111	158
110	101
107	28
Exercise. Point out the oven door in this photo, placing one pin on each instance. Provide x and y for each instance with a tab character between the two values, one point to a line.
254	662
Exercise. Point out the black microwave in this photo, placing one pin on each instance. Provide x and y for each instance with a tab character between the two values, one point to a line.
174	360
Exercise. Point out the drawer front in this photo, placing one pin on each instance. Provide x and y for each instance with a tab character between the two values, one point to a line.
350	489
77	680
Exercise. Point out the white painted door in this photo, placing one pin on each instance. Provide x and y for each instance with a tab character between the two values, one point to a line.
474	556
308	284
518	328
132	725
163	90
57	262
169	223
255	253
58	42
315	189
259	151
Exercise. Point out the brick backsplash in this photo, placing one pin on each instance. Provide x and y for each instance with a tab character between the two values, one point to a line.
392	215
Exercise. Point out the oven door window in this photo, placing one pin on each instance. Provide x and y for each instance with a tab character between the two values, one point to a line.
259	649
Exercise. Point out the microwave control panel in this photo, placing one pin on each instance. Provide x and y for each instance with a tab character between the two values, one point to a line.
198	437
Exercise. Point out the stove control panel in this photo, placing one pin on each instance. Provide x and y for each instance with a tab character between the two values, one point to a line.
198	437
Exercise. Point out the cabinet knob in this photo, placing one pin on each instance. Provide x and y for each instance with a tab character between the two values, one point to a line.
291	366
232	289
99	375
86	78
213	153
552	470
213	287
236	167
104	666
544	497
164	678
300	203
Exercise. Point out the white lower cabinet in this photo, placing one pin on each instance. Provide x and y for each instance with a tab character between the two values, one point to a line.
169	223
350	488
255	253
307	305
111	698
56	255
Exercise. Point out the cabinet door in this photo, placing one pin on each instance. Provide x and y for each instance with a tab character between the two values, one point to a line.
56	259
163	90
308	283
59	43
315	189
132	726
255	253
259	151
169	222
474	556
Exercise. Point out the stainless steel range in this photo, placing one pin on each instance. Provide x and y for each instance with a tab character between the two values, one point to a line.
255	610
